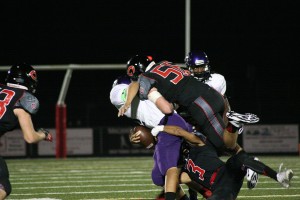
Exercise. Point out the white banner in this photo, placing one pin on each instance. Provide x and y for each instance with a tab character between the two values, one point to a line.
271	138
79	142
12	144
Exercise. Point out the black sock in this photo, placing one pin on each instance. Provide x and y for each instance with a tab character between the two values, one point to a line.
170	195
185	197
193	194
255	165
270	173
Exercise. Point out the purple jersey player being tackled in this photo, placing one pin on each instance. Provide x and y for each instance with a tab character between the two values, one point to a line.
167	149
17	103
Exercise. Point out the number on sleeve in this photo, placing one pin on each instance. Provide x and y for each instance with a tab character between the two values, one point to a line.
9	94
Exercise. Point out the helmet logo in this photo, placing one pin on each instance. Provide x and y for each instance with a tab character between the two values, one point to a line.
33	106
199	62
32	74
130	70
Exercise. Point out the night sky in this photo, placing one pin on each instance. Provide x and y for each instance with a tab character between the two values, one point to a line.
254	44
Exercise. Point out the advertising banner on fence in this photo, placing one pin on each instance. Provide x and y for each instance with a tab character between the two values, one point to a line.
12	144
271	138
79	142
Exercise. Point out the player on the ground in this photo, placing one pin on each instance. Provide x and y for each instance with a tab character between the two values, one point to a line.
221	180
197	63
17	104
167	149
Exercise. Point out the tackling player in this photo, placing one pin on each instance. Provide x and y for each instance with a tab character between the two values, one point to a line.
164	82
221	180
17	104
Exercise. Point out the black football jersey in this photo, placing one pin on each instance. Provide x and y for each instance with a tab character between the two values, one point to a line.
173	82
11	98
202	163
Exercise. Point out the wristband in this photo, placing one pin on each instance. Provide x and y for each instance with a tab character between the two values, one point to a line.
157	129
46	132
153	96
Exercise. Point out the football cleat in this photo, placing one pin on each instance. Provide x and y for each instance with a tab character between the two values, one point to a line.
245	118
252	177
284	176
238	125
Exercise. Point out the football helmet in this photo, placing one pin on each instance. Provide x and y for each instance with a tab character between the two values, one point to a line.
122	80
137	65
195	60
23	74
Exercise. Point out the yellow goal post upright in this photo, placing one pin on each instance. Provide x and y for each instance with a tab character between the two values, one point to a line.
61	109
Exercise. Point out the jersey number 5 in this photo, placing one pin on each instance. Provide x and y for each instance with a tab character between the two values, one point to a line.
170	70
3	103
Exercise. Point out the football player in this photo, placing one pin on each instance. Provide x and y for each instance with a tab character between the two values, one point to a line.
166	156
197	63
221	180
17	104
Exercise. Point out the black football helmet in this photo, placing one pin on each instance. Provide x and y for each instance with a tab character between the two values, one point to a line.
137	65
23	74
198	59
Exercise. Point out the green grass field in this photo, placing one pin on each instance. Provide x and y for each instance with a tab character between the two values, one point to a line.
119	178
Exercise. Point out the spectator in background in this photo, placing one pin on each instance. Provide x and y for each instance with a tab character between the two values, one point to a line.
17	104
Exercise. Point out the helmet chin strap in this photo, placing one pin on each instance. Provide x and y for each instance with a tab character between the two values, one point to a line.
17	86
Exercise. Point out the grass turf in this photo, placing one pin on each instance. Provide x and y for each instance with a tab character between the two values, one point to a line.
120	178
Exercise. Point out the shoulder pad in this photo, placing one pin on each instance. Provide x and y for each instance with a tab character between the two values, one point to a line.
29	103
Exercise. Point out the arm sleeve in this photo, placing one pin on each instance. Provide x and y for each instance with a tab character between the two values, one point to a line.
145	85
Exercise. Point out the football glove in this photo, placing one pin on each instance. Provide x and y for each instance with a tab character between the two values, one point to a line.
48	135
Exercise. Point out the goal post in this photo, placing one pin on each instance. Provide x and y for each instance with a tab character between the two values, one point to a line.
61	106
61	117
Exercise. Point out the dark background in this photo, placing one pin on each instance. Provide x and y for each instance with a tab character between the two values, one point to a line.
254	44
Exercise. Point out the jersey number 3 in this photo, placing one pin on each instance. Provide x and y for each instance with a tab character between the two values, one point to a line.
9	94
190	165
